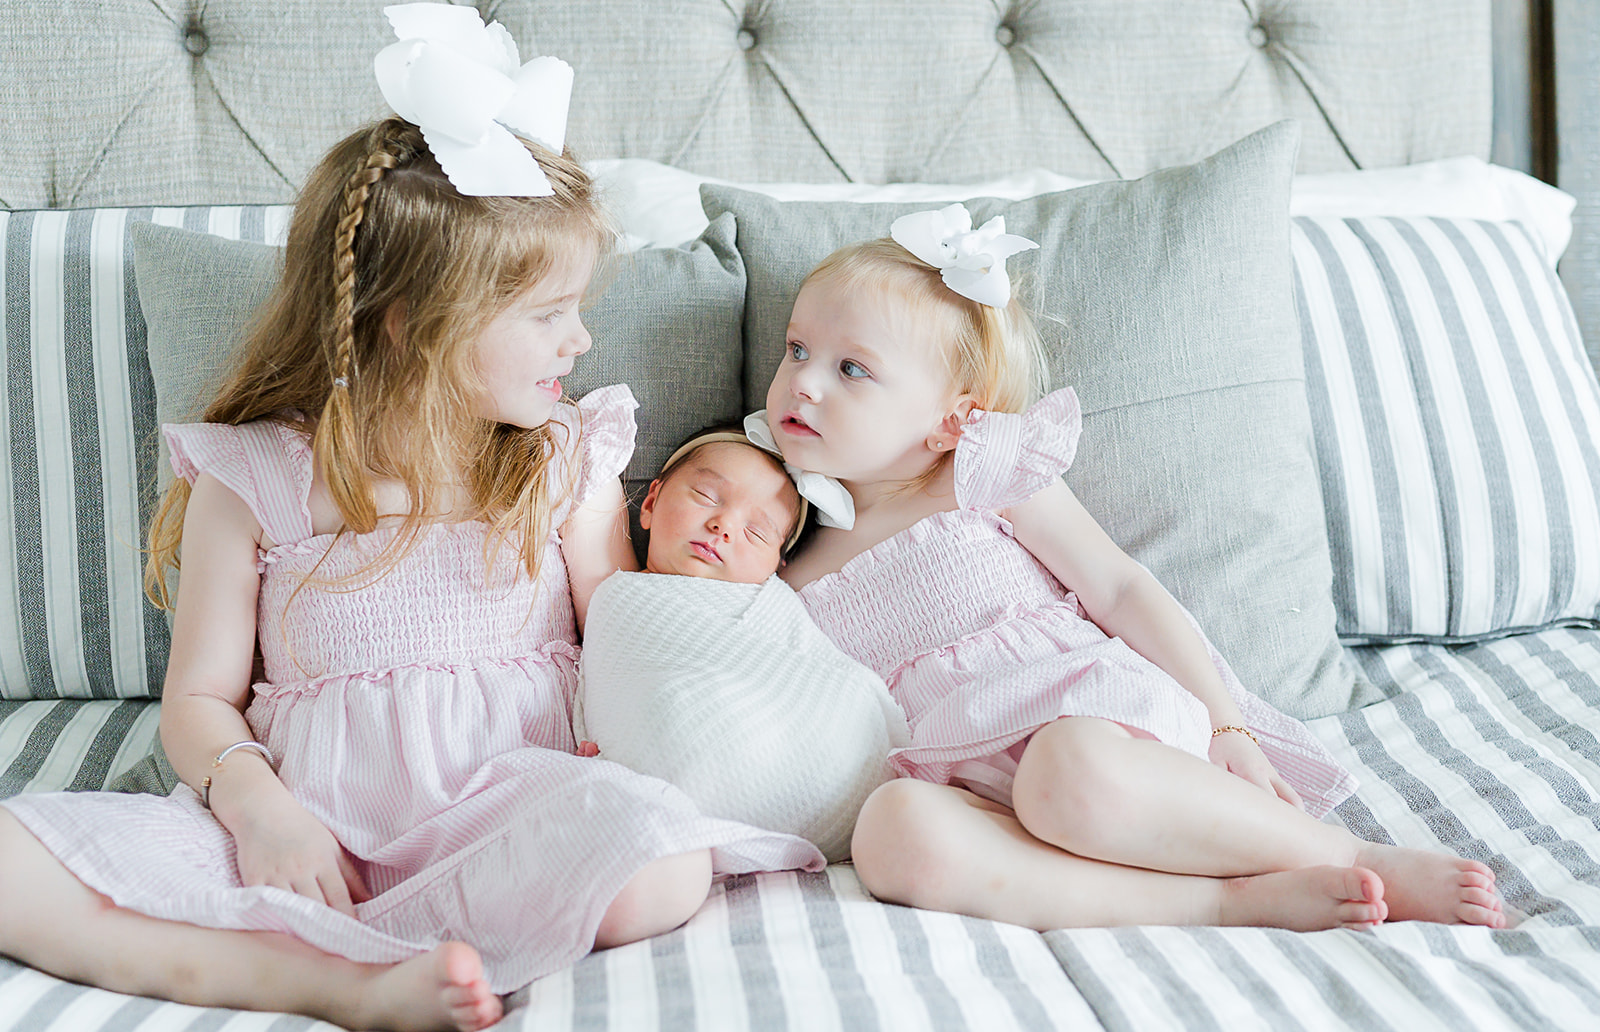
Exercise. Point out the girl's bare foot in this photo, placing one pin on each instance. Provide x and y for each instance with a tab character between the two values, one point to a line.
1306	899
443	989
1421	885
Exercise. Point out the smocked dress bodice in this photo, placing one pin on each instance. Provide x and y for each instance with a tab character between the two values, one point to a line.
981	645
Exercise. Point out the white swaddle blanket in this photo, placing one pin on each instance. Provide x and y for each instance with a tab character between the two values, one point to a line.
732	693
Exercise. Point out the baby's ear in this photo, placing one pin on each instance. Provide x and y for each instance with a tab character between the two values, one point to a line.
648	506
945	435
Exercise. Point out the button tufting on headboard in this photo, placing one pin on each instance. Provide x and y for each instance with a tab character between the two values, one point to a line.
818	90
195	40
1258	35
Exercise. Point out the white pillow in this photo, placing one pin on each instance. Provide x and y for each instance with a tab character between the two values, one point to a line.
660	205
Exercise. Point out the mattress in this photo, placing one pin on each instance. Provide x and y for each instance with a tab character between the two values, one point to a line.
1490	750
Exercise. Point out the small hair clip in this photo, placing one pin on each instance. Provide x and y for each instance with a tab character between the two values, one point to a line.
339	381
464	85
972	262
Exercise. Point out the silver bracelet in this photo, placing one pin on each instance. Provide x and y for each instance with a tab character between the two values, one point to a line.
216	761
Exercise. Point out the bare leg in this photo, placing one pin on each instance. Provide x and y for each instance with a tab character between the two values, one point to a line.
662	896
52	921
942	848
1093	789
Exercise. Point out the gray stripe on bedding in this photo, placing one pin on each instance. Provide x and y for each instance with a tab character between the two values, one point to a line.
1512	1001
94	603
27	526
212	1020
1558	518
917	962
1337	991
1335	500
857	1011
1506	803
290	1023
1386	483
36	750
1531	705
763	994
142	403
1264	999
1425	803
1526	948
1081	973
1564	564
134	1012
1491	452
1185	1001
47	1008
1391	510
95	769
1435	439
1415	980
590	993
674	981
994	960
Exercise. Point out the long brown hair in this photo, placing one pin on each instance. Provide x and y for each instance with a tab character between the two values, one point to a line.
379	228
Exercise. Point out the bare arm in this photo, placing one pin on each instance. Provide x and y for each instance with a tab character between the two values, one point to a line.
595	544
1126	601
202	708
1120	595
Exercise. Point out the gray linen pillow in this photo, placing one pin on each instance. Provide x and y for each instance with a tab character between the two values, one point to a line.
667	323
1167	303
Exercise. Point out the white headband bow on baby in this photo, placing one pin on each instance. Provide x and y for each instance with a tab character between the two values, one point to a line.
835	507
972	262
463	83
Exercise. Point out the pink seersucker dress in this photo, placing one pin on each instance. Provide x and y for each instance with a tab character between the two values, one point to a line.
982	646
425	719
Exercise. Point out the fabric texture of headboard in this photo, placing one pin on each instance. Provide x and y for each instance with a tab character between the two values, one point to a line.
217	101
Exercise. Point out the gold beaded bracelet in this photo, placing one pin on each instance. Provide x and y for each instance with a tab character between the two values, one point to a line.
1236	727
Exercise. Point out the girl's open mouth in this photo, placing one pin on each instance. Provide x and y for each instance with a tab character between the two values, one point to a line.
793	424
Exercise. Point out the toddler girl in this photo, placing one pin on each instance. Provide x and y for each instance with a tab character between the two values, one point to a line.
389	497
1080	755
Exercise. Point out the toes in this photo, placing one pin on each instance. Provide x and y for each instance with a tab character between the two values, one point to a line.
1358	915
1477	868
1471	914
1477	879
1365	885
460	965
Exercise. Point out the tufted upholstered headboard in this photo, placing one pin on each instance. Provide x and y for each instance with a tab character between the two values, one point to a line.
173	101
213	101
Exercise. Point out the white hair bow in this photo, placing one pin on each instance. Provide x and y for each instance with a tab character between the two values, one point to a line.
835	507
971	262
463	83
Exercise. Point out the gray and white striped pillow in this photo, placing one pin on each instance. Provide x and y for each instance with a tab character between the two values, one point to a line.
1457	425
77	476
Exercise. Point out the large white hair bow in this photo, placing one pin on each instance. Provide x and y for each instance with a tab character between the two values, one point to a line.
463	84
835	507
971	261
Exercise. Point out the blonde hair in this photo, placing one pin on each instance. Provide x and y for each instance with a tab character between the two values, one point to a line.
994	354
377	229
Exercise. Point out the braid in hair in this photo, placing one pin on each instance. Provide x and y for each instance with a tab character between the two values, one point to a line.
337	444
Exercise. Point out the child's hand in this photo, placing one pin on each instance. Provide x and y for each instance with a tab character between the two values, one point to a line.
587	748
285	846
1239	754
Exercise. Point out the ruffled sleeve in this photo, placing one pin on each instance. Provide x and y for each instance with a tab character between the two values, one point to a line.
1004	458
265	463
605	440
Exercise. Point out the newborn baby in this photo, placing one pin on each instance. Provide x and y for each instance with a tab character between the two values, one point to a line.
706	671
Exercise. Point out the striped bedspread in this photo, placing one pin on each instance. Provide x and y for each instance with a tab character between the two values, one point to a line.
1490	750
